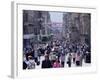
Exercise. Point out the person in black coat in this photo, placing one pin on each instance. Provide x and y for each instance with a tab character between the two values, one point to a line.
24	65
46	63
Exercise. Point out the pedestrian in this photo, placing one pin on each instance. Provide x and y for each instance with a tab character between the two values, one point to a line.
52	57
57	64
32	53
24	65
81	58
63	59
30	63
46	63
78	59
36	55
41	50
69	60
88	57
74	56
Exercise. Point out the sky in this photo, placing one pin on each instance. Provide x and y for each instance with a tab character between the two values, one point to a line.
56	16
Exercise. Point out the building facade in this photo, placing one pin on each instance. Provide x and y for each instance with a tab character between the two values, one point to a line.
76	27
35	25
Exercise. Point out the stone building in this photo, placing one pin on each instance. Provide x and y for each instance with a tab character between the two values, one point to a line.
76	27
35	25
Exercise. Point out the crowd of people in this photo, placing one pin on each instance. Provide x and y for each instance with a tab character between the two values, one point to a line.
56	54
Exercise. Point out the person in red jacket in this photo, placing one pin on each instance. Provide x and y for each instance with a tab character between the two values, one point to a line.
57	64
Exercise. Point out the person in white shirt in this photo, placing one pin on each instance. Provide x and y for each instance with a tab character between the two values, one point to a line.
30	63
78	56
